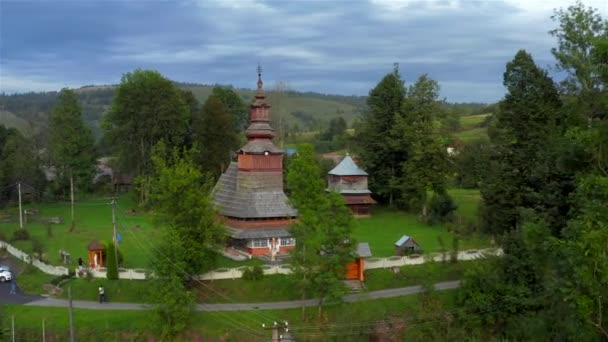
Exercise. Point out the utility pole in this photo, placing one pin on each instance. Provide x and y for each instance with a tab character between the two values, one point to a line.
13	326
72	198
43	331
115	237
71	310
277	330
20	211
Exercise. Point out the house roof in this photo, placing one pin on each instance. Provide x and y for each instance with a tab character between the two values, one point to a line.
347	167
401	241
249	204
363	250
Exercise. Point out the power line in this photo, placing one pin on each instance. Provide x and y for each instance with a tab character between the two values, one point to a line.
234	322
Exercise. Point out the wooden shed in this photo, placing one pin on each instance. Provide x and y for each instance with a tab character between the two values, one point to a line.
355	270
406	245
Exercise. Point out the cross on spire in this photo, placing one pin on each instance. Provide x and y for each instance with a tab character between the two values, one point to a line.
260	83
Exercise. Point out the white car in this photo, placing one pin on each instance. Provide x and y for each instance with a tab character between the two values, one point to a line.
5	274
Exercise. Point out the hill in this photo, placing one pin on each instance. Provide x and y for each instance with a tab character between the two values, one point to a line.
309	111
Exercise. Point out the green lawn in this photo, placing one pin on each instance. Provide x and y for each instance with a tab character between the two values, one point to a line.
383	278
93	221
470	130
468	203
386	226
95	325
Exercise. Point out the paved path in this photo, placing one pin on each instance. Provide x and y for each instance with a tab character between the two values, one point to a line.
402	291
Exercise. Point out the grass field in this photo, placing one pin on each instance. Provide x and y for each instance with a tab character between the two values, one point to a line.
139	233
344	320
470	130
93	221
386	226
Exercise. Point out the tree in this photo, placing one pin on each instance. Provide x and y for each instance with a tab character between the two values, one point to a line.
579	31
169	291
323	232
147	108
579	27
181	197
426	167
381	159
470	163
527	123
215	136
112	270
234	105
19	161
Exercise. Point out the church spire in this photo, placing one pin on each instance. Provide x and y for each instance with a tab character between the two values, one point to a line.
259	114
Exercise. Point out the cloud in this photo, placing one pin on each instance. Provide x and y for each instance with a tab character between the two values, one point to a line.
326	46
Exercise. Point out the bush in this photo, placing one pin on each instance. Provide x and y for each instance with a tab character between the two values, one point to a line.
442	208
253	273
37	248
21	234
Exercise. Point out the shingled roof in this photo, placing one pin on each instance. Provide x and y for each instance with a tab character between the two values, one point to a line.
347	167
260	146
249	204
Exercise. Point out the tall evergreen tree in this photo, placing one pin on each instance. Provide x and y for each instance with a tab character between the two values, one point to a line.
71	142
381	160
427	167
526	124
215	136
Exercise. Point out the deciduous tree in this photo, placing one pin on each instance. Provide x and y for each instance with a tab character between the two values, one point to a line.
323	232
147	108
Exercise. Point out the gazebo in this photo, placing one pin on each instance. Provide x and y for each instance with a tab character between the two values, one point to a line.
95	254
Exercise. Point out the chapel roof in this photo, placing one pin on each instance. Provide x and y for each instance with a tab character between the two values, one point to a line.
347	167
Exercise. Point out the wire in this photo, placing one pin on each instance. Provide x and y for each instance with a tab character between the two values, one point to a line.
235	324
266	317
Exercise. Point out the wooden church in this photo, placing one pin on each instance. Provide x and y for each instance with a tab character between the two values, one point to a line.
250	196
350	181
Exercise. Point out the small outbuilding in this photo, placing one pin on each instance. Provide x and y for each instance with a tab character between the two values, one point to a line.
355	270
406	245
95	254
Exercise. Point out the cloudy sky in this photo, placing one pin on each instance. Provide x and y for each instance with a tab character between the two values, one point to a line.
331	46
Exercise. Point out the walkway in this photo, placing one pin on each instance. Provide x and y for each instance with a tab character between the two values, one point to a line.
402	291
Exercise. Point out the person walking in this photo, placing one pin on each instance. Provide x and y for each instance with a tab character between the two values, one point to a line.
13	286
102	294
